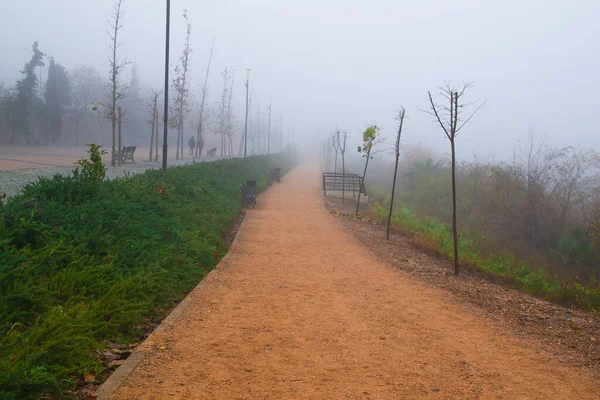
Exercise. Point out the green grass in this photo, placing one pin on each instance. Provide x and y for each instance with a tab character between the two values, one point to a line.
85	264
521	274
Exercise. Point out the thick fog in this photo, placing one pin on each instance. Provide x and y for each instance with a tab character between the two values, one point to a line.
349	63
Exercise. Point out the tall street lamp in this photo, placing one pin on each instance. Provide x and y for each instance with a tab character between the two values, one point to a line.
166	109
246	125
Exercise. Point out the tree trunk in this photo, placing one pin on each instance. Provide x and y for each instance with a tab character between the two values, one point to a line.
199	140
76	133
152	132
114	135
181	142
389	221
343	177
120	120
362	186
454	230
156	137
177	145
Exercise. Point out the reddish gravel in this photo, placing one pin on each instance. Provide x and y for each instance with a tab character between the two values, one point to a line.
301	309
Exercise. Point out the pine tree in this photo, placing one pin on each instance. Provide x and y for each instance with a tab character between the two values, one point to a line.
57	96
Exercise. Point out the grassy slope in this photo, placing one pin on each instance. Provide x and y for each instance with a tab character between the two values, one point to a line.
434	235
82	266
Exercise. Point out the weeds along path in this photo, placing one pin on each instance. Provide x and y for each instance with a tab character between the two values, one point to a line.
301	310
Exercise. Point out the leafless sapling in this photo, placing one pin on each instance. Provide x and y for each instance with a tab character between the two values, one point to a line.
181	106
229	113
86	84
342	136
204	94
152	109
400	118
450	120
118	89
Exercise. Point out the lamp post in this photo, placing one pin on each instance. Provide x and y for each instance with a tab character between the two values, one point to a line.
269	135
246	124
166	109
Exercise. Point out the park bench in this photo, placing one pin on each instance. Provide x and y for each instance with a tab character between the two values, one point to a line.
30	140
125	154
249	194
211	152
276	174
350	183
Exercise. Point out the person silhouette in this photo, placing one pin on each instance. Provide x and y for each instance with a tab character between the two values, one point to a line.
192	144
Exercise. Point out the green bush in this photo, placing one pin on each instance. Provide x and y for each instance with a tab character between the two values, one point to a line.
84	264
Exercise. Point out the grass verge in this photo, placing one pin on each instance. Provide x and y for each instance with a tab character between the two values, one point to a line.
85	264
522	274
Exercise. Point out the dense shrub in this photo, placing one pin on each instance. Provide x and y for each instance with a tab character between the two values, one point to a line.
82	264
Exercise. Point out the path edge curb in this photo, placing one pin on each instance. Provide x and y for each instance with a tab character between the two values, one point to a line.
115	380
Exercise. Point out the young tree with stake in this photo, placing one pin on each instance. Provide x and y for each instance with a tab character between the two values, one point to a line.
152	113
334	144
400	118
181	107
117	88
222	110
204	91
341	143
449	119
86	84
370	139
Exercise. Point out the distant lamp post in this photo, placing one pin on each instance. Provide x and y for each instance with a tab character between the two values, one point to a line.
246	124
166	102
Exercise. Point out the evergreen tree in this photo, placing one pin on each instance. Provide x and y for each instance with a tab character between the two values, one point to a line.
25	97
57	96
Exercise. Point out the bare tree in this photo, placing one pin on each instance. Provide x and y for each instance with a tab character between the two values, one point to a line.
181	106
86	83
230	118
204	94
258	145
341	143
222	110
118	88
334	144
370	139
451	122
400	118
152	109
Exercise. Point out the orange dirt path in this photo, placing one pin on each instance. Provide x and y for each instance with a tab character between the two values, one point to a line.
301	310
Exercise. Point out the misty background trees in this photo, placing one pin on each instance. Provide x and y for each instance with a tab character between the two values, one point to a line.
79	105
542	205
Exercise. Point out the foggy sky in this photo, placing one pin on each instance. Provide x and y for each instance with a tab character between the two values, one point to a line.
348	63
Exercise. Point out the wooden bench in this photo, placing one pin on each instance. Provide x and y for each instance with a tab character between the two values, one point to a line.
276	174
350	183
125	154
211	152
249	194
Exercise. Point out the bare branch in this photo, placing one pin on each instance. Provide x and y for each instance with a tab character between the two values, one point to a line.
435	112
471	116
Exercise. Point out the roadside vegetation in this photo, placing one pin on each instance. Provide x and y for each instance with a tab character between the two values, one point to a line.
532	222
86	261
528	275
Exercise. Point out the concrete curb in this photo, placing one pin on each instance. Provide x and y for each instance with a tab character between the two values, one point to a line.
124	370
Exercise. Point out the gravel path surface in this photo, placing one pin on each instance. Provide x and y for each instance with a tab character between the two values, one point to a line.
13	181
302	310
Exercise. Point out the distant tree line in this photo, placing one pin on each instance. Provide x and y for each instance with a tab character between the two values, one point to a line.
80	105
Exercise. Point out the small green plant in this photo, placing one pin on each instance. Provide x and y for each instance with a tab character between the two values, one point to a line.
92	170
370	139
